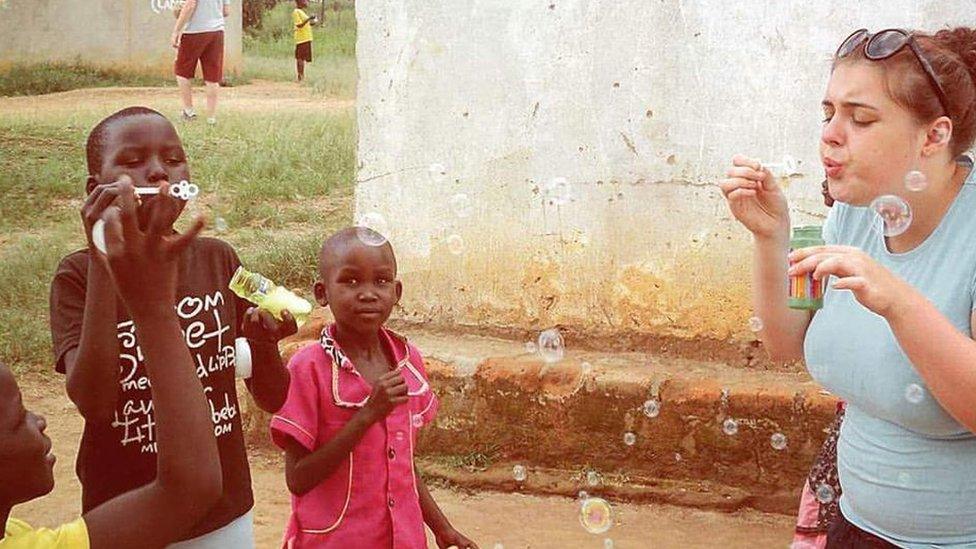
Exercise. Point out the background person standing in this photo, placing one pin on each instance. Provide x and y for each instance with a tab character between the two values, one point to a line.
199	37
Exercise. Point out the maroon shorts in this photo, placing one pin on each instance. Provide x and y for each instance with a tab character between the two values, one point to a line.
205	47
303	51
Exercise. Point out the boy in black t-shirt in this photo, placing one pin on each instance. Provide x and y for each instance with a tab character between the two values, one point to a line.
96	347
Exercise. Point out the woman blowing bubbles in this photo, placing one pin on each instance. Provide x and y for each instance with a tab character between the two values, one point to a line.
894	338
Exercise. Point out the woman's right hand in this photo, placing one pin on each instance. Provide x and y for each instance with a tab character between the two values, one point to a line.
755	199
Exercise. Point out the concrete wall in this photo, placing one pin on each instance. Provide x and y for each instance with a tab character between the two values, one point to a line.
127	33
640	105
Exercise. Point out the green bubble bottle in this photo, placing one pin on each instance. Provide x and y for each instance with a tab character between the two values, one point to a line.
269	296
805	292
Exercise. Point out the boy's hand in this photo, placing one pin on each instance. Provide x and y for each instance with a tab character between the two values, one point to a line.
98	200
260	325
389	392
174	39
143	264
453	538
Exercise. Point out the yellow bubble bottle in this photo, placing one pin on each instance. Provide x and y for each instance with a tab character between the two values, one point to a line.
269	296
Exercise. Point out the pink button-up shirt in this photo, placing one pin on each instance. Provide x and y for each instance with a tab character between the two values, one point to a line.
371	499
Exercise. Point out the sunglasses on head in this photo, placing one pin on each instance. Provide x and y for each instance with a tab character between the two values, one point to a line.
886	43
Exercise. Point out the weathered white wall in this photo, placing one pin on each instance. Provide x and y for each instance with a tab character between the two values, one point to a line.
640	104
120	33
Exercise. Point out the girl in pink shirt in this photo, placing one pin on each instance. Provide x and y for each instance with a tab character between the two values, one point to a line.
356	402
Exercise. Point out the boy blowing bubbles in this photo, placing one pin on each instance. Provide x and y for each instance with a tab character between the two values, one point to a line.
95	339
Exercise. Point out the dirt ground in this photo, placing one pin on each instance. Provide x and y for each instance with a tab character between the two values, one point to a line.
488	518
258	96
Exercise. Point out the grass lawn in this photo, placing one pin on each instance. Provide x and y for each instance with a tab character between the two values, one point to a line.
269	54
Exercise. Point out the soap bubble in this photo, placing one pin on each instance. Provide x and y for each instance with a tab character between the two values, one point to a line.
596	516
586	368
531	347
904	478
371	229
417	420
916	181
607	543
582	495
436	171
730	426
556	191
914	393
824	493
778	441
755	324
466	367
652	408
630	439
461	205
518	473
551	345
894	212
455	244
593	479
220	224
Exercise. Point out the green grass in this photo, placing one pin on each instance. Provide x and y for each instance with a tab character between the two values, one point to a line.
281	180
40	78
269	54
269	51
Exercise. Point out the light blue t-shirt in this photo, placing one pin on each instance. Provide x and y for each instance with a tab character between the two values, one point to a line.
907	468
207	17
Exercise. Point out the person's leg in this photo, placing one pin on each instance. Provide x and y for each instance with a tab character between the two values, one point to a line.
212	60
186	93
212	89
300	65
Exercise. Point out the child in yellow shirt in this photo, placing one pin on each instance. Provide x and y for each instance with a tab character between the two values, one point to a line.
303	36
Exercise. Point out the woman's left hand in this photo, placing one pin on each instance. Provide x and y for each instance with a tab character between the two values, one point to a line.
874	286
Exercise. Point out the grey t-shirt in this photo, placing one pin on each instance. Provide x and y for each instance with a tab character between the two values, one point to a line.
207	17
906	467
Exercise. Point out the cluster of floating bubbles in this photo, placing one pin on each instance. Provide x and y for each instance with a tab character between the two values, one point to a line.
894	212
551	346
371	228
914	393
596	515
916	181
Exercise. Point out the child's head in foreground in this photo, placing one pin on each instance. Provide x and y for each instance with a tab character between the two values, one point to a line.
358	279
26	461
